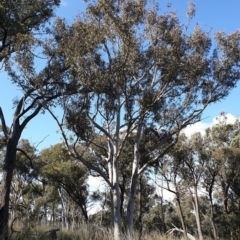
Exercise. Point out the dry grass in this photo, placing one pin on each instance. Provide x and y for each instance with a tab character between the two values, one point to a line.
83	232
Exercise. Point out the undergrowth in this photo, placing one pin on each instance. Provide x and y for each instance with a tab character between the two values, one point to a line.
82	232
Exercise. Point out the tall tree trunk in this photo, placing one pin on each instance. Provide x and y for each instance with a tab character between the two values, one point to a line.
116	201
210	192
213	224
65	210
162	210
110	172
197	213
134	180
140	210
115	178
8	167
130	207
10	157
122	188
212	218
181	218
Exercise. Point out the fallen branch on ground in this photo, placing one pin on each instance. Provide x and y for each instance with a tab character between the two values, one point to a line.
172	230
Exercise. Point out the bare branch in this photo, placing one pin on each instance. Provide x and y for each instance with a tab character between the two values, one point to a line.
41	141
4	127
170	232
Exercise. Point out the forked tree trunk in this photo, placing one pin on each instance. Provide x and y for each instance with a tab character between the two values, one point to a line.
8	168
182	218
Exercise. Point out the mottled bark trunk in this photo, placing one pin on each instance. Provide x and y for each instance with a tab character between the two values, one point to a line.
8	168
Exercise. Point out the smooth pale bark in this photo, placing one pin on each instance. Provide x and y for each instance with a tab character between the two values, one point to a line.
140	210
110	172
197	213
65	211
134	181
181	212
115	180
181	218
162	210
116	202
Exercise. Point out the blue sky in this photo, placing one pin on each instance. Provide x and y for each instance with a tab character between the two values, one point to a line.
212	15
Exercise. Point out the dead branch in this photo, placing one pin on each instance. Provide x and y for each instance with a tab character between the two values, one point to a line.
172	230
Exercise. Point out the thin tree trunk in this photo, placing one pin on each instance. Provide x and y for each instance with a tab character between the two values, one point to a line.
197	213
64	209
162	210
122	188
110	172
140	210
212	217
182	218
210	191
115	179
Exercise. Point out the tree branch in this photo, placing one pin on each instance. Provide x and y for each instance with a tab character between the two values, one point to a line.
4	127
26	155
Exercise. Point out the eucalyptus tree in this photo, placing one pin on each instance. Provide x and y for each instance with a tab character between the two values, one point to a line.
218	143
139	68
210	174
219	136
